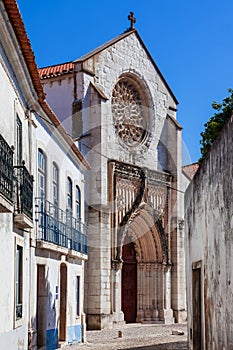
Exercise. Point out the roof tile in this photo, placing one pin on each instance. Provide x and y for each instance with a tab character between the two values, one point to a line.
55	71
190	170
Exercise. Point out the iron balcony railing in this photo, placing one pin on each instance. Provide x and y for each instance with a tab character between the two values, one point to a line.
6	169
56	226
23	191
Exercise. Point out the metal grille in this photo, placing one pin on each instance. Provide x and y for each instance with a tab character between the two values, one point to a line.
6	169
59	227
23	191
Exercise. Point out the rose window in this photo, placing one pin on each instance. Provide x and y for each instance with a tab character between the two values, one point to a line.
129	113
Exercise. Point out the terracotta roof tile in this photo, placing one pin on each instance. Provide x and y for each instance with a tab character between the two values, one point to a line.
57	70
190	170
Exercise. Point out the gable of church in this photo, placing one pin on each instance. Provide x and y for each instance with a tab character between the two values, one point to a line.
132	45
131	96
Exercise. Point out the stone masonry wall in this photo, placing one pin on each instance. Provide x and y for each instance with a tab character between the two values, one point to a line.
209	235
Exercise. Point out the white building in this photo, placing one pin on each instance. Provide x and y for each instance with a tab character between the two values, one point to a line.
60	241
42	232
16	186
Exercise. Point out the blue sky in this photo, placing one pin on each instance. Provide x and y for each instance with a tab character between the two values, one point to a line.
191	42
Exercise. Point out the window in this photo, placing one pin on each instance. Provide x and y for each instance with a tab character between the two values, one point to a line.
18	141
55	184
78	203
69	195
132	122
77	292
19	282
41	174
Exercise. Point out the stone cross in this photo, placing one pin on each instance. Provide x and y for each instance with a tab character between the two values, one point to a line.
132	20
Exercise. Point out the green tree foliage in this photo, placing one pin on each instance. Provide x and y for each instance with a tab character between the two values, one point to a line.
213	127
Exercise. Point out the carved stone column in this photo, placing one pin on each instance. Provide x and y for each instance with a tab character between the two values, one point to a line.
148	293
116	301
140	311
167	287
145	289
155	293
167	313
161	291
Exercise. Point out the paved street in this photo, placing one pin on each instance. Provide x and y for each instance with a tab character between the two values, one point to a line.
136	337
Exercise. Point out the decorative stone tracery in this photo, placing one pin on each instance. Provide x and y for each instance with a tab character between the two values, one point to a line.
129	113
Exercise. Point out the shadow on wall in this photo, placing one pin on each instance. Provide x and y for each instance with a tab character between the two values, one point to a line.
44	326
181	345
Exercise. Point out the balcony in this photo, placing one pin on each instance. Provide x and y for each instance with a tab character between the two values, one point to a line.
55	226
23	212
6	176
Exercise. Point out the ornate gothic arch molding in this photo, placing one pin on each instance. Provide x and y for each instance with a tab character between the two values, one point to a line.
152	218
137	245
140	203
146	232
144	242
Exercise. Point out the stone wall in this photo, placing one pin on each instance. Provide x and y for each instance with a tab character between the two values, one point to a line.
209	239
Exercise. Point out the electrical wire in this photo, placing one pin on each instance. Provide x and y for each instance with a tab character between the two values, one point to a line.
99	153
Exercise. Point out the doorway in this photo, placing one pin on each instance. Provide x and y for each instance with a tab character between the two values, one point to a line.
42	295
129	282
196	305
63	302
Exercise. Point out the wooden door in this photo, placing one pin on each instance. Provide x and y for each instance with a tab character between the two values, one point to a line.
129	283
197	339
63	302
42	295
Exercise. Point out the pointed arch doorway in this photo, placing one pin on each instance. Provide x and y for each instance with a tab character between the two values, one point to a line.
129	281
145	273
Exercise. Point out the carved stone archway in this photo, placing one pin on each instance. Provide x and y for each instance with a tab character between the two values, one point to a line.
151	257
141	211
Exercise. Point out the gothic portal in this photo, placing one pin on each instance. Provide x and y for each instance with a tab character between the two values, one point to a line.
124	121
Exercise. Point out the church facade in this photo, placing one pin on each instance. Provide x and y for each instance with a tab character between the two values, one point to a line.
122	115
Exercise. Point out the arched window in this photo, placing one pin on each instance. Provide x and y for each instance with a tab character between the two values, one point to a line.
55	184
69	195
41	174
78	203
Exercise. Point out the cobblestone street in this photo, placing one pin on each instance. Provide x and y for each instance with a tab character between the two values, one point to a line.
136	337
